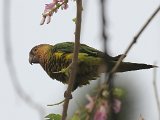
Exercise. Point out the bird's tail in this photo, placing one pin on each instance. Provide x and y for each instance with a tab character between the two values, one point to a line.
127	66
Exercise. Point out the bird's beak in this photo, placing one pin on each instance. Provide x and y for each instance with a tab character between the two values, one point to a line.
30	60
33	59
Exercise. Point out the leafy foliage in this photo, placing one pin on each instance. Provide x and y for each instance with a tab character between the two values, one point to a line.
98	108
53	117
76	117
118	93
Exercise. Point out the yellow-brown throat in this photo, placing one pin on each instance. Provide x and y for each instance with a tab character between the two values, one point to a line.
39	53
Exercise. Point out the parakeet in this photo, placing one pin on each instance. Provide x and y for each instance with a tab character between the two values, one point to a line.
56	61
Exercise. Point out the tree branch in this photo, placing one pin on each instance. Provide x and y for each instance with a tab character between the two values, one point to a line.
104	23
135	40
109	86
156	91
74	60
132	43
110	76
10	64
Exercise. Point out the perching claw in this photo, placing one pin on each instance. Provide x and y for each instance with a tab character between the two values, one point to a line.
65	71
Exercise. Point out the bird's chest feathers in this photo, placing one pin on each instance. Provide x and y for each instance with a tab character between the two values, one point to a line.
55	63
59	62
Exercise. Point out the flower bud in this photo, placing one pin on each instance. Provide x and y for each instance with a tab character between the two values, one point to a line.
42	20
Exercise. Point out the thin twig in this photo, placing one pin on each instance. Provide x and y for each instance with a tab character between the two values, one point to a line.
74	60
109	85
135	40
156	90
10	64
104	36
132	43
57	103
91	115
110	76
104	24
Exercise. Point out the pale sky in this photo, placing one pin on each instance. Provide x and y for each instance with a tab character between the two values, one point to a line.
125	19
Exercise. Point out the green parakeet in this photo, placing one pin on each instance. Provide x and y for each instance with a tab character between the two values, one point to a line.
56	61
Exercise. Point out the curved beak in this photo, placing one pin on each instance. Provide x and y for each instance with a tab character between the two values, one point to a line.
33	59
30	60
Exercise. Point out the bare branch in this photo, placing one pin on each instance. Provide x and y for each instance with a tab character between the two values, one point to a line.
110	76
103	25
156	90
135	40
105	39
57	103
9	62
74	60
132	43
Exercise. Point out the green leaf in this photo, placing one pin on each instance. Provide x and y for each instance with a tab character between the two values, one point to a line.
53	117
118	93
74	20
58	5
75	117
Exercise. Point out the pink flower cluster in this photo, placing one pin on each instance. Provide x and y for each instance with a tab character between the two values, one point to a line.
51	8
102	110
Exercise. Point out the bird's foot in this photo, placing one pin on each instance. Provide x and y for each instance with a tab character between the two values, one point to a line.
63	71
57	72
67	70
67	95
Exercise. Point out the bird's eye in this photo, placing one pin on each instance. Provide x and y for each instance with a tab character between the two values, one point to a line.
35	50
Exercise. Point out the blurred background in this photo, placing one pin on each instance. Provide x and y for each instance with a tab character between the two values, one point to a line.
125	18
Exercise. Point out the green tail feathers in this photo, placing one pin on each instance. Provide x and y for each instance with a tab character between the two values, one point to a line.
127	66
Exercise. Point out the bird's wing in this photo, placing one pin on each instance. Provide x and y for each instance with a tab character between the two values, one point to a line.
67	47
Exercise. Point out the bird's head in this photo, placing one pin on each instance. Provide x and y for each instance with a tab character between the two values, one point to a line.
38	53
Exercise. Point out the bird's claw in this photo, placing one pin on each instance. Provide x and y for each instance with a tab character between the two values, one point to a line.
67	95
57	72
63	71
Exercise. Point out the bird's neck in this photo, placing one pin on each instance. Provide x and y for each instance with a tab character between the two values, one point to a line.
46	61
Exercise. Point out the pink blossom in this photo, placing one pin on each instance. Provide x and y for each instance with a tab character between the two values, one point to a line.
55	1
48	19
64	6
52	8
100	114
42	20
61	0
102	111
117	105
91	103
48	7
